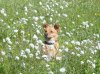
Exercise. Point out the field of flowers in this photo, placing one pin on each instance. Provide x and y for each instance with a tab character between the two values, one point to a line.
21	36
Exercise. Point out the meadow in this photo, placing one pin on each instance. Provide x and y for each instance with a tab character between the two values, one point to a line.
21	35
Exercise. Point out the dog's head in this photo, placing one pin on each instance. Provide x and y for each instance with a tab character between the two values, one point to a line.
51	31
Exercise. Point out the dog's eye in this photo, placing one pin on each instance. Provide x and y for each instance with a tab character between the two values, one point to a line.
51	31
45	31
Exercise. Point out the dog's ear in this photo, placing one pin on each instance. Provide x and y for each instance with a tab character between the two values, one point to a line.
57	27
45	25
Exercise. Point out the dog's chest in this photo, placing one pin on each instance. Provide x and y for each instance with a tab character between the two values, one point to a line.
49	46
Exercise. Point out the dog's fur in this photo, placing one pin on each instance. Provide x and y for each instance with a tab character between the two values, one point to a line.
51	45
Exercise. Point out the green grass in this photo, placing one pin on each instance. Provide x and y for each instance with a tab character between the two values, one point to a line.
79	37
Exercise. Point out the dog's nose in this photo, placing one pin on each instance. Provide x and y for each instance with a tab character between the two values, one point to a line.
49	38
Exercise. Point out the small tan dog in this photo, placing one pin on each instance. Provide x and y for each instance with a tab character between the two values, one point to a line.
51	45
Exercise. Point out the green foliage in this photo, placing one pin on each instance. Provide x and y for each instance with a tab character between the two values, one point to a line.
21	35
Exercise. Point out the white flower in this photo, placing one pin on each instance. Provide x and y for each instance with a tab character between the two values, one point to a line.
85	24
23	32
35	11
35	37
31	45
41	17
75	42
46	57
91	24
78	15
8	26
82	52
73	22
73	53
98	46
1	59
30	55
37	31
8	40
66	42
36	47
61	7
23	65
37	57
1	20
3	53
62	69
9	47
3	12
27	50
25	40
40	41
86	41
16	58
44	21
51	19
93	65
69	34
16	31
35	18
47	65
48	7
96	35
30	5
66	49
26	9
59	14
78	48
37	53
78	55
58	58
93	51
40	3
50	72
82	62
88	61
4	40
23	20
23	54
56	3
94	60
65	15
16	13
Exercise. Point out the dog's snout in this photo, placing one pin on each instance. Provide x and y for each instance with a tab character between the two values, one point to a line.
47	37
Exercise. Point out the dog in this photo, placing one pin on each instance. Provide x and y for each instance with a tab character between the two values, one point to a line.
51	45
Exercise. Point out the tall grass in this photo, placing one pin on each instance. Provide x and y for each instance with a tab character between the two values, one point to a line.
21	36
